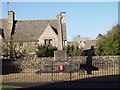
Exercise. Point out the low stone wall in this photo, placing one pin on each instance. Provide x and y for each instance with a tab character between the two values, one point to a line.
101	62
33	65
106	62
78	59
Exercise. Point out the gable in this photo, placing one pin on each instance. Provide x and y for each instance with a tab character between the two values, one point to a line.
82	43
49	33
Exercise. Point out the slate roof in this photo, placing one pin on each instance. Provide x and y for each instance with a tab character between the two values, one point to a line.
32	28
99	36
89	44
70	43
3	23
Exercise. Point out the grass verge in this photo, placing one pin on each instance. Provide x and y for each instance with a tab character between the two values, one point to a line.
9	87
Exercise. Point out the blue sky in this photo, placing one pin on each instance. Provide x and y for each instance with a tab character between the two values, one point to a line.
87	19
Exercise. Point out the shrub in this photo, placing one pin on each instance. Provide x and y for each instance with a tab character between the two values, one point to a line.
45	51
73	50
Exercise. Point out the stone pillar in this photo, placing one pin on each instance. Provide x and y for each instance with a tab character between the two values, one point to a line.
61	21
60	56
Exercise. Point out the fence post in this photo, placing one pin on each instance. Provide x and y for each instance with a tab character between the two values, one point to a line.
70	70
77	71
52	71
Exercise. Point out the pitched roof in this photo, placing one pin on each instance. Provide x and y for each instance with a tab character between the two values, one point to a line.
3	26
33	28
21	37
3	23
99	36
70	43
89	44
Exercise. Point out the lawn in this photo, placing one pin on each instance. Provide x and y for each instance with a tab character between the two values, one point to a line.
8	87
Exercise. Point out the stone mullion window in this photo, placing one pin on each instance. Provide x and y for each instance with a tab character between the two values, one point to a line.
48	42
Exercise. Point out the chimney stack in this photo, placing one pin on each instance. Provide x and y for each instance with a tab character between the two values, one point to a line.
78	40
9	28
10	16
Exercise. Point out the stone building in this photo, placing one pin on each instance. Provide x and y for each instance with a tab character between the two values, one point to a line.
88	46
48	32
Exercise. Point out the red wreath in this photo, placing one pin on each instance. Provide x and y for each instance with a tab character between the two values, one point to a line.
61	68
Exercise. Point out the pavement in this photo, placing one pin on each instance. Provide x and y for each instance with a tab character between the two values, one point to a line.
93	82
67	85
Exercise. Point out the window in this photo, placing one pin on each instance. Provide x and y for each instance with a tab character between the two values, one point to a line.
64	43
48	42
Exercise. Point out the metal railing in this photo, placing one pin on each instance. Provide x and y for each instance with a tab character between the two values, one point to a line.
73	71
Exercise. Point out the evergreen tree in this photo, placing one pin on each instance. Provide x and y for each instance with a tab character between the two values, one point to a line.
110	43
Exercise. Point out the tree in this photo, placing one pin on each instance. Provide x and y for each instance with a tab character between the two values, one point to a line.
13	50
75	38
110	43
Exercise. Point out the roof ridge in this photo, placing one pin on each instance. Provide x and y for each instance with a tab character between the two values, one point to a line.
38	20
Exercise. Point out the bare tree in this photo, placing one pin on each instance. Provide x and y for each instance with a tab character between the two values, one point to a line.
76	38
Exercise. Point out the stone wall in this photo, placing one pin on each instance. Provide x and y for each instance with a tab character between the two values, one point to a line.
33	65
106	62
101	62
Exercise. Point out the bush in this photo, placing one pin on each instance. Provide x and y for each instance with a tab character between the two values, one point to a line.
46	51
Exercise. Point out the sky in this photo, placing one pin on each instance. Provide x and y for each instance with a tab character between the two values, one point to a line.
86	19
